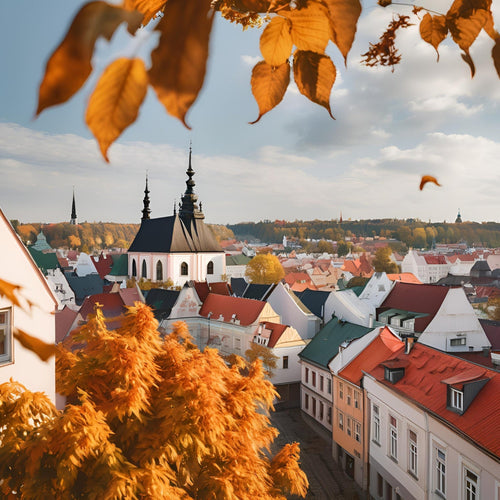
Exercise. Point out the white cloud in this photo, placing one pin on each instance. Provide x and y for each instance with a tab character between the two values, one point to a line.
251	61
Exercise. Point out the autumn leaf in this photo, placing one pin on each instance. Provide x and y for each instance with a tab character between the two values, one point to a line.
314	75
433	30
465	19
468	59
116	100
310	27
9	290
269	85
70	65
344	15
148	8
43	350
179	62
428	178
276	41
495	54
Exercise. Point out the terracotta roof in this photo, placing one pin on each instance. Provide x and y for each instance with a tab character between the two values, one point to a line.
112	305
415	298
220	287
130	296
299	277
487	291
435	259
277	331
63	262
404	277
247	311
202	289
103	264
381	347
425	380
64	319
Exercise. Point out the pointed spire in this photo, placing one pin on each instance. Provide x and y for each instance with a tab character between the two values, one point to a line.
146	210
188	208
73	209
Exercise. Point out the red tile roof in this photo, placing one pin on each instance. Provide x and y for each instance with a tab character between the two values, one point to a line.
424	382
103	264
416	298
381	347
487	291
202	289
435	259
276	332
130	296
64	319
112	305
221	288
247	310
299	277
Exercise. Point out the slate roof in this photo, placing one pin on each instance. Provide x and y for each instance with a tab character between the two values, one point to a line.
425	382
162	301
170	235
238	286
44	261
247	311
314	300
84	285
257	291
325	344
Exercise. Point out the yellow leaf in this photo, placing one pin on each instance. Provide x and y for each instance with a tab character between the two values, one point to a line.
314	75
433	30
310	27
148	8
70	65
344	15
9	290
269	85
276	41
116	100
179	61
43	350
465	19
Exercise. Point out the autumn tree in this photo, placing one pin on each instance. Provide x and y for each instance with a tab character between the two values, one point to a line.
149	418
265	269
264	354
382	261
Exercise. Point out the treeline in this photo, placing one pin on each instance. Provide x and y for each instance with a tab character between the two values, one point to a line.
412	232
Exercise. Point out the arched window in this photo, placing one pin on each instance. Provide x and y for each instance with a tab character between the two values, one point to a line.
184	269
159	271
134	268
144	272
210	268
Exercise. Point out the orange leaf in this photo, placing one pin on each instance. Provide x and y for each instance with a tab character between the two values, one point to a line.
148	8
426	179
116	100
314	75
276	41
495	54
465	19
310	27
9	290
344	15
179	61
43	350
269	85
433	30
70	65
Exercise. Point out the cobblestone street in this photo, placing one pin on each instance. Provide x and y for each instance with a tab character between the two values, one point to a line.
326	481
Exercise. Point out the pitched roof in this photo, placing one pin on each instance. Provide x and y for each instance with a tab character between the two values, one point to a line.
237	260
220	287
44	261
426	299
425	382
381	347
492	331
325	344
247	311
277	331
404	277
257	291
112	305
238	285
84	285
170	235
314	300
435	259
130	295
103	264
64	318
162	301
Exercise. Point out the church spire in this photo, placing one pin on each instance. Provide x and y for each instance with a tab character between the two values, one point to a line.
188	209
73	210
146	210
458	220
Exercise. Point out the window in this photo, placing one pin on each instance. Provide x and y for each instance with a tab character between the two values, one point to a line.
356	399
321	410
388	491
306	401
349	395
457	399
210	268
134	268
357	431
341	421
413	454
349	426
393	432
159	271
144	272
329	386
459	341
329	415
313	406
440	472
5	336
341	390
307	375
380	485
184	269
375	424
313	379
285	362
471	485
321	382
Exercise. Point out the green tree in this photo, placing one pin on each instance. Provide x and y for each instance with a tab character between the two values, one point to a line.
265	269
382	261
342	248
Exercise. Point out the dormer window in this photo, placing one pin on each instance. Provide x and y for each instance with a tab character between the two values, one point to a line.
393	375
456	399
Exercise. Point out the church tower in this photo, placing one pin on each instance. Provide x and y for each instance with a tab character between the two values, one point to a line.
73	220
146	211
458	220
188	209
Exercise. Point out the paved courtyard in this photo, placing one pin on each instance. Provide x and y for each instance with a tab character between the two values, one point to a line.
326	481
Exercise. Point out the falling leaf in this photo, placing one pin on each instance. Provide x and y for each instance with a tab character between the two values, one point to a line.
344	15
148	8
179	62
9	290
426	179
465	20
310	27
314	75
269	85
43	350
116	100
433	30
70	65
495	54
276	41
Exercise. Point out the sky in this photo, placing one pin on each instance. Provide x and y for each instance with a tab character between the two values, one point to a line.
296	163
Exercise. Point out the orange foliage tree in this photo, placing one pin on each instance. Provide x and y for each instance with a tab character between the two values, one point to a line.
294	40
149	418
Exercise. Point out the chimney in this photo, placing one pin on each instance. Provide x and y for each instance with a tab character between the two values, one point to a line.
409	344
370	321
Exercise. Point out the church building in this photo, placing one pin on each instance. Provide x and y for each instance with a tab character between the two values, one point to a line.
180	247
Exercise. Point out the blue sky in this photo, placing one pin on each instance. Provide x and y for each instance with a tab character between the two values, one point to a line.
296	163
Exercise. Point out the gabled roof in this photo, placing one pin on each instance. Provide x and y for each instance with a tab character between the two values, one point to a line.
415	298
425	382
44	261
238	286
64	318
435	259
203	288
103	264
257	291
404	277
112	305
130	295
161	301
276	331
220	287
314	300
492	331
325	344
246	311
381	347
